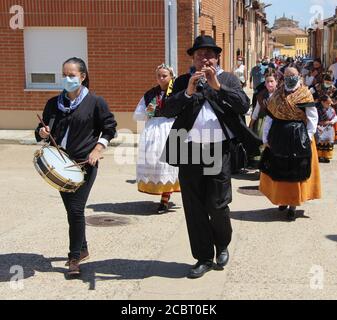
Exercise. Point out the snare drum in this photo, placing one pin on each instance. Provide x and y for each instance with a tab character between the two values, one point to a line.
53	169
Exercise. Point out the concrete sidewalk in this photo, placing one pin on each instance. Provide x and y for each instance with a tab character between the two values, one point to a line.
141	255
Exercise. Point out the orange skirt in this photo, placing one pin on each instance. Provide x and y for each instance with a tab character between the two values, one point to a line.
159	188
325	151
293	193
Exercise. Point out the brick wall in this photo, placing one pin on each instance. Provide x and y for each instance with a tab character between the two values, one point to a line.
126	41
216	13
239	30
185	33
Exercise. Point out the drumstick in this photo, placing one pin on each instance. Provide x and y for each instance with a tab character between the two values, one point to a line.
51	138
80	163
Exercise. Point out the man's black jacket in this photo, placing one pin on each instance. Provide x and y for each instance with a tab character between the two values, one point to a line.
229	104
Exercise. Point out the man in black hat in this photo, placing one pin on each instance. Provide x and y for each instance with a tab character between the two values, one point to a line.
208	104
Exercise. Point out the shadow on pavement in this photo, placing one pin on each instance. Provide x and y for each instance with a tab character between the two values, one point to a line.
266	215
140	208
250	191
332	237
123	269
15	266
131	181
19	266
247	176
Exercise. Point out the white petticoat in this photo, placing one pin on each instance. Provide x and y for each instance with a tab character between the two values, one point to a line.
151	145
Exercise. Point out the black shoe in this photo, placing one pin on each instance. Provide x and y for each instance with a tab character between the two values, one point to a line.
291	215
222	258
200	269
282	208
163	208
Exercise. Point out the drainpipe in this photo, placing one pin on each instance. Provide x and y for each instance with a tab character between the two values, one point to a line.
232	34
246	36
171	34
196	17
244	49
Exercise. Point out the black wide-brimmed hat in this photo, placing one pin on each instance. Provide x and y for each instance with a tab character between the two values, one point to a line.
204	42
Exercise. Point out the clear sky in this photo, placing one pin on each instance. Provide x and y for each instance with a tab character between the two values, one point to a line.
303	11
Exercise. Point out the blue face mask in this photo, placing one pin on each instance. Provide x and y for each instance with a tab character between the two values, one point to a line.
291	82
71	84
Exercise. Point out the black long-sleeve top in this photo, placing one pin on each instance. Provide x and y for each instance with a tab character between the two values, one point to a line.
230	96
230	104
90	121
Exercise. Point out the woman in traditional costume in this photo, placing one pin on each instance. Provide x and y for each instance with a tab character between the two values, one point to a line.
289	164
259	113
155	177
325	135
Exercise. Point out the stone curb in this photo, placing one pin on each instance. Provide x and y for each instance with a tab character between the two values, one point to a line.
125	141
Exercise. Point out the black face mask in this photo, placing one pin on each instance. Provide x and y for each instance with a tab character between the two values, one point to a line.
292	81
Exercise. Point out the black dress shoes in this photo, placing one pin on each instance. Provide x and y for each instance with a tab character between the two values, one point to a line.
222	257
200	269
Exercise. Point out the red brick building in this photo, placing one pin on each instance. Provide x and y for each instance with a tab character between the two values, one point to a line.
125	41
316	39
122	42
215	21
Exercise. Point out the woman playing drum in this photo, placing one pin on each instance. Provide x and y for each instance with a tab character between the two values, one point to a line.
82	125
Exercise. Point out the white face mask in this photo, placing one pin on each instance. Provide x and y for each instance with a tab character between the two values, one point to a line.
71	84
240	63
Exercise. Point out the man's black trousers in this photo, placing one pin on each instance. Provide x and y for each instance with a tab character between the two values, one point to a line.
205	199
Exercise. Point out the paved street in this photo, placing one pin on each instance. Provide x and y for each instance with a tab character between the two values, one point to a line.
142	255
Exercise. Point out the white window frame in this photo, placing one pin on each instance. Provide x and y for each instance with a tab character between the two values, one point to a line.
46	48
